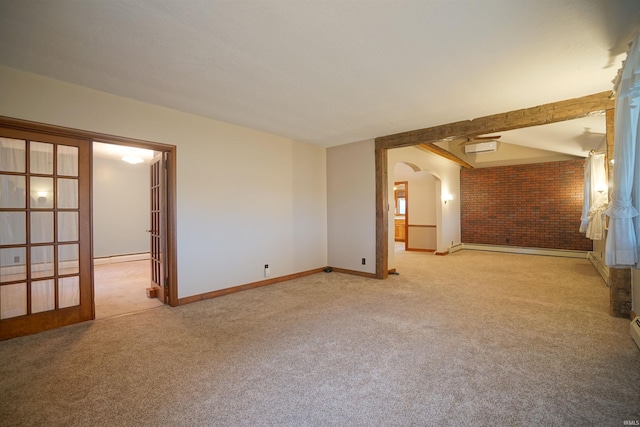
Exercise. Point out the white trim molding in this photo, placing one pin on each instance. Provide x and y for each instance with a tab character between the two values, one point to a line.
600	266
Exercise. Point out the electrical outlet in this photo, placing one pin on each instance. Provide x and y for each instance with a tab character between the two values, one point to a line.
267	270
507	240
16	259
364	261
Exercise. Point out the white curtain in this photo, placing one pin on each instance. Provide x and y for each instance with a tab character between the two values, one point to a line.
622	239
595	197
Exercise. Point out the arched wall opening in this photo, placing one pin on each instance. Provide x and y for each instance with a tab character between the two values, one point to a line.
422	221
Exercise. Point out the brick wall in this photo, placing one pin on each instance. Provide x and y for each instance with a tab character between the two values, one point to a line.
535	205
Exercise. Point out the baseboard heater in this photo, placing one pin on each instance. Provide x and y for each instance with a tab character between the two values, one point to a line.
121	258
635	330
523	250
455	248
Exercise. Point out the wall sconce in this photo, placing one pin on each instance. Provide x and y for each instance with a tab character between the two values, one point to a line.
447	198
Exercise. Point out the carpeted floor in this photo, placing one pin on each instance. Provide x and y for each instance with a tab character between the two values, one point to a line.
120	288
472	338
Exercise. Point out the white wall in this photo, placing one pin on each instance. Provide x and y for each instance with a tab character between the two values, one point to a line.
351	197
422	194
244	198
121	207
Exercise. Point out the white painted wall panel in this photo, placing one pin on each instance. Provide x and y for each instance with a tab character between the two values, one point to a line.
351	196
121	207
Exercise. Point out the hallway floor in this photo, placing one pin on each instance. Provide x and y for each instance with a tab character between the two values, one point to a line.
120	288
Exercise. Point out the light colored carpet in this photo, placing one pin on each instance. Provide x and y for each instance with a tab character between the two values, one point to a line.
120	288
472	338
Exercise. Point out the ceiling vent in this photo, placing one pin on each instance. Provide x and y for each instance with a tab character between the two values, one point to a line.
482	147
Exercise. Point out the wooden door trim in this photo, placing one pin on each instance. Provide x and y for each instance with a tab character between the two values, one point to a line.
543	114
43	128
406	212
27	125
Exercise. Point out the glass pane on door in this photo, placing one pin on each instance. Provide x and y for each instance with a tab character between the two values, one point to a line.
41	193
13	192
67	226
68	259
69	291
13	264
67	160
12	155
41	227
13	230
67	193
41	158
43	296
42	261
13	300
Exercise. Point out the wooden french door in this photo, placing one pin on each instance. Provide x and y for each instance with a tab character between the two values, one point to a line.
159	276
45	232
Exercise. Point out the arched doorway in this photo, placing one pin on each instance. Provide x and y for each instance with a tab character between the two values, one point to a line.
422	216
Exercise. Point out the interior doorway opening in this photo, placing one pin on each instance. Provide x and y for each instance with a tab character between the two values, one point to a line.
417	225
121	229
47	253
420	219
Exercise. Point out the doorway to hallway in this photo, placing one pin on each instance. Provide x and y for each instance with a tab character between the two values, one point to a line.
124	237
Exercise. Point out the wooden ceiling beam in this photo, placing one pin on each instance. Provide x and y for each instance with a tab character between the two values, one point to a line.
444	153
543	114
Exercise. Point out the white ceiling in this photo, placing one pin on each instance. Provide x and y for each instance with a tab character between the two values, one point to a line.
326	72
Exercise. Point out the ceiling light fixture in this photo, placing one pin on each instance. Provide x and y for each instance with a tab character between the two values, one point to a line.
134	160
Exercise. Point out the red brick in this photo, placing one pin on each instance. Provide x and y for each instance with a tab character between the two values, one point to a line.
535	205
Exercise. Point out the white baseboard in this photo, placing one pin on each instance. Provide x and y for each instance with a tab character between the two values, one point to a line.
600	266
121	258
528	251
